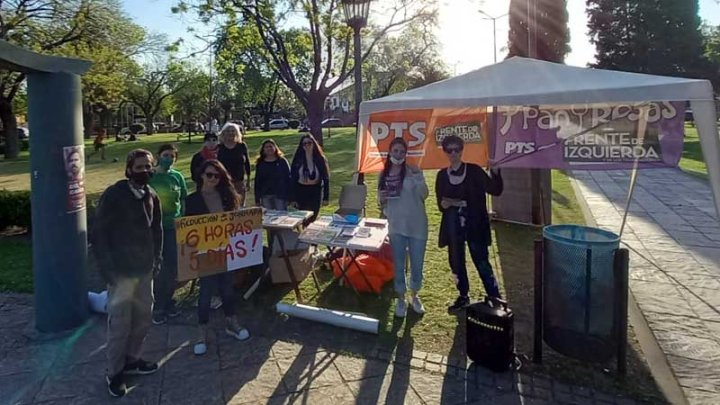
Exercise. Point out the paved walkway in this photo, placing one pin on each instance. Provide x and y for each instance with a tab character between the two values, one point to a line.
285	362
672	224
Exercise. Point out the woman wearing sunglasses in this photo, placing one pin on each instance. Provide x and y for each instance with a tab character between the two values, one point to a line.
460	191
310	175
215	194
402	193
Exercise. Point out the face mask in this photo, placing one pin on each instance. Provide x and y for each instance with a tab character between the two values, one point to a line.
396	161
165	162
141	178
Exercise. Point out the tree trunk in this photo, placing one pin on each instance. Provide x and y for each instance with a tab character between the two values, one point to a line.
88	120
314	109
149	123
266	119
12	147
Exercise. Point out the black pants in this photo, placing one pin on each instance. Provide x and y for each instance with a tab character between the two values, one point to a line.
309	198
459	236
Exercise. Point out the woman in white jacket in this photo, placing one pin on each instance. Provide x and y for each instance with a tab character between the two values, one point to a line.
402	193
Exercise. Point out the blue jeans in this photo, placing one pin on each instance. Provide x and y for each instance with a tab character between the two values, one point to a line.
272	202
401	245
208	287
480	257
165	282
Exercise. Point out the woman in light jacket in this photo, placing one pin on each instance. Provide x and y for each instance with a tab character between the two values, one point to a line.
402	193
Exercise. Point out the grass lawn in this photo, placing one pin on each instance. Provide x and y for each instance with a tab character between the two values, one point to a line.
436	331
692	160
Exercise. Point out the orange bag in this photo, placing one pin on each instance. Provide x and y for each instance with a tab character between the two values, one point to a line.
378	271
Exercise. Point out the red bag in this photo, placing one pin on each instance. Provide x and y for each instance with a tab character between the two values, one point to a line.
378	271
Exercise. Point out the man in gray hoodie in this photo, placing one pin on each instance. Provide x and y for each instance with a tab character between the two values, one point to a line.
127	243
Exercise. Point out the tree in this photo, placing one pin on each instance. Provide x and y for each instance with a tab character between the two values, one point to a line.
328	63
192	100
46	26
659	37
240	61
152	89
553	35
409	60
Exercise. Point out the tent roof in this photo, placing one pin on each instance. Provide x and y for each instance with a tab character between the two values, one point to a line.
523	81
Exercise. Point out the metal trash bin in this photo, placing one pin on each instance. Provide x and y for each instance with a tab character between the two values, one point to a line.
578	291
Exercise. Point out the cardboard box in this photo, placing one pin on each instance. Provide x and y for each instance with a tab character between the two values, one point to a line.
301	262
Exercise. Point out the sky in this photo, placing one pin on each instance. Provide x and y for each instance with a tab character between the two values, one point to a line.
466	38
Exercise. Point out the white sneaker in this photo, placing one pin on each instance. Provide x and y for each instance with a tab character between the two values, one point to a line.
215	302
401	308
417	305
234	329
200	346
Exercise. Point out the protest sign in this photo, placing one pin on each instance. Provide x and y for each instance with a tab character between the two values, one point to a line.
219	242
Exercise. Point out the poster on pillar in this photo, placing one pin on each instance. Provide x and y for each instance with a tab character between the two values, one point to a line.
74	160
589	136
219	242
423	130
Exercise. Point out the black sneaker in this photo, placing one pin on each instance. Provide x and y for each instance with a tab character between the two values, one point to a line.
116	385
460	303
159	319
140	367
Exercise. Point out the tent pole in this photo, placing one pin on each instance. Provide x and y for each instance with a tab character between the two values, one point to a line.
642	131
705	119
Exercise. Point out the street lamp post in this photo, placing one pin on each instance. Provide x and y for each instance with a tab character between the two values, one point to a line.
489	17
356	16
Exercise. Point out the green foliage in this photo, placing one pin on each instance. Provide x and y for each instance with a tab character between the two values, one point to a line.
14	209
408	60
553	34
16	272
309	55
659	37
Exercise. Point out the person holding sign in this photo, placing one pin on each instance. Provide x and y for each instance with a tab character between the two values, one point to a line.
127	243
170	186
402	193
460	190
215	194
310	176
233	154
272	177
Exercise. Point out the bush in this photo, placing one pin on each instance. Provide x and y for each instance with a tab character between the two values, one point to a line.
14	209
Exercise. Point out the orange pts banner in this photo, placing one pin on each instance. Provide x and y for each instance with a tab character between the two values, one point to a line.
423	130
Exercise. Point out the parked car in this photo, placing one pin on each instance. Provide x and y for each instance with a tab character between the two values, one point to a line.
280	123
331	123
23	133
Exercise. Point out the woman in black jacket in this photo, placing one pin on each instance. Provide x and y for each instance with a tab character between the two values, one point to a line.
233	154
272	177
215	194
460	190
310	176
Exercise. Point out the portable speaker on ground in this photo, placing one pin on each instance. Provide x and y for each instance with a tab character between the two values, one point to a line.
490	334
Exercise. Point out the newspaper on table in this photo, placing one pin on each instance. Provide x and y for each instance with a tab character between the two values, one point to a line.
284	219
368	235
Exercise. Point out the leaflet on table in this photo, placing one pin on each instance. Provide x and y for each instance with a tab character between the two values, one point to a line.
367	239
282	221
319	233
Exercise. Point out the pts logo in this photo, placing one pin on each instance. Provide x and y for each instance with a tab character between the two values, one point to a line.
381	130
519	148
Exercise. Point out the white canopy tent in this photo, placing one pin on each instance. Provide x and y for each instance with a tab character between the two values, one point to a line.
522	81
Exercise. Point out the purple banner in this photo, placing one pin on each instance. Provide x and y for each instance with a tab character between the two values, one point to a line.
589	137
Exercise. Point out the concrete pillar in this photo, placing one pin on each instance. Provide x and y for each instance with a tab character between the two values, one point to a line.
59	223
